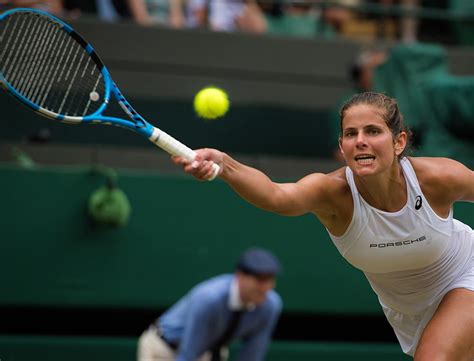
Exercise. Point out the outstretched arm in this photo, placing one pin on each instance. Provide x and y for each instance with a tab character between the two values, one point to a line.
306	195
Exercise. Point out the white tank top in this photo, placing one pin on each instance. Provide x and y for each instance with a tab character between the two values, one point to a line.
408	255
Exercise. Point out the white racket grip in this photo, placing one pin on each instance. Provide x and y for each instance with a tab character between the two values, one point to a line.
175	147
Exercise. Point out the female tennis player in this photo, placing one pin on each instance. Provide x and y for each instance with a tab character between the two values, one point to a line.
389	215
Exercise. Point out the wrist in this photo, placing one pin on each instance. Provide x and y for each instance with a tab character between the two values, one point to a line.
226	165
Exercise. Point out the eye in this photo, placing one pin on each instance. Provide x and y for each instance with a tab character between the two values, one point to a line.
349	133
373	131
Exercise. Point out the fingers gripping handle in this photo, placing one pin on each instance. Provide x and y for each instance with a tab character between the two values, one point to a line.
175	147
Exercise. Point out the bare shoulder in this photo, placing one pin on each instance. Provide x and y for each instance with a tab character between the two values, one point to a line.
337	180
332	195
441	176
437	171
331	183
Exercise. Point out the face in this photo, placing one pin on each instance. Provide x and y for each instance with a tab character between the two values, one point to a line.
254	289
367	143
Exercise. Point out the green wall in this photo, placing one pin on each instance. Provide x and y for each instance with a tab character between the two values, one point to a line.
180	232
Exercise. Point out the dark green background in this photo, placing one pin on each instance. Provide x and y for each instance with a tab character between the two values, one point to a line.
180	232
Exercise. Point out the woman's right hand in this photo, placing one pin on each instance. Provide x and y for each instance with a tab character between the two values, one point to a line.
201	168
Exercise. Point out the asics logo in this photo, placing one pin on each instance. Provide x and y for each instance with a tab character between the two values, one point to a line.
418	202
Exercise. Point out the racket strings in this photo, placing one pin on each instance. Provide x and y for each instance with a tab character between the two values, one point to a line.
48	66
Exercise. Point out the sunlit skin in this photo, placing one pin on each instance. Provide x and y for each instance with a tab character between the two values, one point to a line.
371	151
253	289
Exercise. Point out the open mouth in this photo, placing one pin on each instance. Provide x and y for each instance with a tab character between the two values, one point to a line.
364	159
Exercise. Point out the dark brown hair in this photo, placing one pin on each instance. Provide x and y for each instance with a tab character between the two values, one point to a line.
391	114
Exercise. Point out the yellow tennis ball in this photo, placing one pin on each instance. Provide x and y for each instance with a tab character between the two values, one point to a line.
211	103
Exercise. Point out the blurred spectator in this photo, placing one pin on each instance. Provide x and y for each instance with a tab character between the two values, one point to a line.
226	15
405	75
272	8
384	18
363	19
151	12
106	10
113	10
52	6
297	18
340	12
363	68
167	12
409	22
138	11
451	129
143	12
251	19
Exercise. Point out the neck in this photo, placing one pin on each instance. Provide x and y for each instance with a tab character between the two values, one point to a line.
385	191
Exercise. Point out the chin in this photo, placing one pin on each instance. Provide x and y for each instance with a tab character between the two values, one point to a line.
364	171
356	167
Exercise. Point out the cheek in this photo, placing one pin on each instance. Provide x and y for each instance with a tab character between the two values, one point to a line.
385	145
346	146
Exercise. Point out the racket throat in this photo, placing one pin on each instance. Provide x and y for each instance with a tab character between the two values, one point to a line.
127	108
137	119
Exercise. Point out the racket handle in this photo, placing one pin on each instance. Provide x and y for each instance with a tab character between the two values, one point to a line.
175	147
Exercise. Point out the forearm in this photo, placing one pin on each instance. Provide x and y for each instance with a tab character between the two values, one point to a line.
254	186
251	184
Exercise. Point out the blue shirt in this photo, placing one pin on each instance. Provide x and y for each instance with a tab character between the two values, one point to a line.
198	320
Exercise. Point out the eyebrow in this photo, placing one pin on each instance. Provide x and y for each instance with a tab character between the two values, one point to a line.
368	126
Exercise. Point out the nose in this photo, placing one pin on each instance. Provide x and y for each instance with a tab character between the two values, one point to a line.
361	140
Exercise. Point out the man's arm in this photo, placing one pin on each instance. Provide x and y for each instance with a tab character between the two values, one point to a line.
195	339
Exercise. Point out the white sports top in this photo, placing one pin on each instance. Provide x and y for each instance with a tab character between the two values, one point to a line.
409	256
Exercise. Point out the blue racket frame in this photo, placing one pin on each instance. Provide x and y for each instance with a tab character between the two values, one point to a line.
139	124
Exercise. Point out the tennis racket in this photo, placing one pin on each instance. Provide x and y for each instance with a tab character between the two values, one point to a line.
50	68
